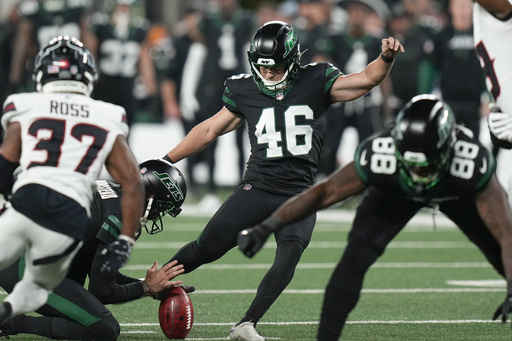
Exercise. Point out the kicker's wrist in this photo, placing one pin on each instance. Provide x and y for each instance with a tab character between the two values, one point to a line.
387	59
126	238
145	288
271	224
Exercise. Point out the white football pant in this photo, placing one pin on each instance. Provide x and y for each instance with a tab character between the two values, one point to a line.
19	234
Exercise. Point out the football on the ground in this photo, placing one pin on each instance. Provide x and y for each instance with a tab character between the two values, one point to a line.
176	314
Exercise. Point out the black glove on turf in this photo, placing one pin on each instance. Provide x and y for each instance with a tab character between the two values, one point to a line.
115	255
504	309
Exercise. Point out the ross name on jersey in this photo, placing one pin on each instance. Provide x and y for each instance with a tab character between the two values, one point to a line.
69	109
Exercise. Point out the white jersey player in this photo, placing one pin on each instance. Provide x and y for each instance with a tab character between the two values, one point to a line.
493	36
492	31
60	138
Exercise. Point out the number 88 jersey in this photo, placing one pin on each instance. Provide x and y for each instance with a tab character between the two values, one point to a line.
470	169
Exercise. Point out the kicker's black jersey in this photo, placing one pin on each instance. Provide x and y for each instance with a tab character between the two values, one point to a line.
471	168
285	130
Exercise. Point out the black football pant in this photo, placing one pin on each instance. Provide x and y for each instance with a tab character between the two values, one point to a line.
71	312
245	208
379	218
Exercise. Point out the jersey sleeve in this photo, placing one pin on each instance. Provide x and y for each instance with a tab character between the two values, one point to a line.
228	100
11	109
119	119
361	157
376	162
331	74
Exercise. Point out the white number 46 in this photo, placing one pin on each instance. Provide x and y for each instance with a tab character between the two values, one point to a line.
266	131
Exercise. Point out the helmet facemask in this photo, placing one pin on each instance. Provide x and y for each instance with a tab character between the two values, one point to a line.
155	211
420	170
424	136
288	77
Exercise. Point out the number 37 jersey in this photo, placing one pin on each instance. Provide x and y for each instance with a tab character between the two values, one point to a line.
66	139
470	169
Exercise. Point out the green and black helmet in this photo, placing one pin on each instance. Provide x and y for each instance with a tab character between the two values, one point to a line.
274	44
166	190
424	136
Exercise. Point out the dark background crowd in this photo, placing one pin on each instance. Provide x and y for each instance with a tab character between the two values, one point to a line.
142	55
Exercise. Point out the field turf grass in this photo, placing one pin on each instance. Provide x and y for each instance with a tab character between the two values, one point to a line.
409	294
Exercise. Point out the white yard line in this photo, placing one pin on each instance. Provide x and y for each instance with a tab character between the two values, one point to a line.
381	265
316	322
328	245
423	218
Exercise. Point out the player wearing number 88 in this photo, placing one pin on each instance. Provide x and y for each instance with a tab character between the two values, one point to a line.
61	139
284	105
424	161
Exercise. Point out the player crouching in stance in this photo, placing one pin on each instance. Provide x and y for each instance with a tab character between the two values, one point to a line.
80	313
425	161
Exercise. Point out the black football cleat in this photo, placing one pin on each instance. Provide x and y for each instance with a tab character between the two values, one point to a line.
5	311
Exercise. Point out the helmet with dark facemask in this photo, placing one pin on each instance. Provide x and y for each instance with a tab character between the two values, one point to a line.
166	190
65	65
424	136
274	44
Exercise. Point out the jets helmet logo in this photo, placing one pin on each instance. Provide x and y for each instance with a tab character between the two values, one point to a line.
291	40
172	186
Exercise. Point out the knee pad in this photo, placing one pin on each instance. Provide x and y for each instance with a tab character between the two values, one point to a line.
105	329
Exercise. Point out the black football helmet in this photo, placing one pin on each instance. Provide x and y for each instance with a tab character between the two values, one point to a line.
424	136
65	65
275	43
166	190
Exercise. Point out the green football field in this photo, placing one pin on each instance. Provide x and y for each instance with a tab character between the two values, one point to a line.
431	284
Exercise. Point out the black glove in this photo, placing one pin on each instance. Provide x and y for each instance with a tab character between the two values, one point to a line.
504	309
251	240
115	255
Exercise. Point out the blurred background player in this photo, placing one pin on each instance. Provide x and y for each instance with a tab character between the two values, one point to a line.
119	42
492	25
74	313
351	50
424	161
221	38
41	20
445	69
284	105
61	139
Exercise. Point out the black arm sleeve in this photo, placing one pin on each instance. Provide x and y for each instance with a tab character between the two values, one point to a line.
106	288
7	169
